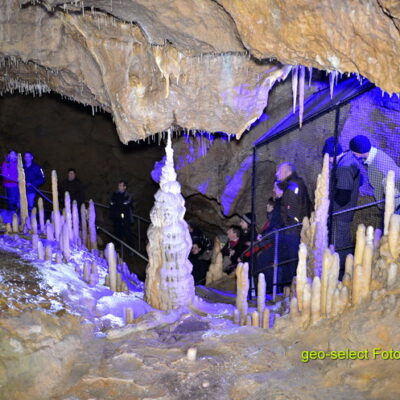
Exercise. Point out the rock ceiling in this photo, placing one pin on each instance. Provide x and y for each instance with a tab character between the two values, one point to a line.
204	65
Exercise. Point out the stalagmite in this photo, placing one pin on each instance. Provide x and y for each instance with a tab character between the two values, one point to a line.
86	271
34	221
265	319
65	242
23	201
128	315
343	299
49	230
59	258
377	238
249	321
392	274
169	282
112	266
34	241
92	226
242	288
40	250
75	223
41	215
333	277
301	275
360	244
306	311
56	207
335	303
68	216
261	289
15	227
316	300
394	235
84	225
348	269
48	253
356	292
215	271
389	200
8	228
327	262
255	319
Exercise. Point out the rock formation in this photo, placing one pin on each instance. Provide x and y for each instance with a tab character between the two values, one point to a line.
153	65
169	283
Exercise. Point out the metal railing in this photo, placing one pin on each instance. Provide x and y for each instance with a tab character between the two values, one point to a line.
276	233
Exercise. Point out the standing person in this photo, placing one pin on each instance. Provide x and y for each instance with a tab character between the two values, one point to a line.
233	248
295	205
121	213
9	171
74	187
200	264
34	177
344	188
379	164
245	224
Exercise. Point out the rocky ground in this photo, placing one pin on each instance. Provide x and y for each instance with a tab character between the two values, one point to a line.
49	351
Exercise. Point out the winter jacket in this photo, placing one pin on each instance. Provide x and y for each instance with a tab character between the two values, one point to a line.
121	207
75	190
295	202
33	175
9	170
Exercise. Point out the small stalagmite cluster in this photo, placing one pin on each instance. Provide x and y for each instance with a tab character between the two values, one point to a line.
369	274
169	282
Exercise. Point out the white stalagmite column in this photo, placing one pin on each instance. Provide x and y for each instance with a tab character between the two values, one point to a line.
265	318
389	200
65	242
255	319
84	225
332	282
356	291
15	223
34	221
42	226
394	235
56	206
327	263
112	266
169	282
242	288
306	311
48	252
316	300
301	275
49	230
392	275
23	201
261	289
367	270
68	215
92	226
40	250
75	223
215	271
360	244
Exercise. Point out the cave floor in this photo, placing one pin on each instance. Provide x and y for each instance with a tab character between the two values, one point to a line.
61	357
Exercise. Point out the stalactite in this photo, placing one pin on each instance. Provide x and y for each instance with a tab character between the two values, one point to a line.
295	74
301	93
23	202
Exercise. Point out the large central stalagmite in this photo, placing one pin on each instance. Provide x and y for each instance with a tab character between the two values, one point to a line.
169	283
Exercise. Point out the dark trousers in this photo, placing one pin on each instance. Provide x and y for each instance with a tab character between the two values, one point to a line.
291	242
122	230
13	198
342	240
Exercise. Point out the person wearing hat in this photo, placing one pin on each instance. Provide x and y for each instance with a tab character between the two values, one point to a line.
379	164
344	188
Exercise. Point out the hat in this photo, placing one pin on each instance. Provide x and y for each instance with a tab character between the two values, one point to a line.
329	147
360	144
247	217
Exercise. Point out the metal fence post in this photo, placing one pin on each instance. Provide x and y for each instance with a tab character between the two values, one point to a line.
275	280
139	238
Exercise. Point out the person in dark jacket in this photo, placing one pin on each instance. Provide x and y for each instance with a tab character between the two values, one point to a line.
295	205
245	224
233	248
345	180
74	187
121	213
200	264
9	172
34	177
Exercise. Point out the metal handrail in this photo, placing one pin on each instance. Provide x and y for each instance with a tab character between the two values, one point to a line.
122	243
276	245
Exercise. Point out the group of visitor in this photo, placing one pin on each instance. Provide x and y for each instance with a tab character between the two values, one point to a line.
290	204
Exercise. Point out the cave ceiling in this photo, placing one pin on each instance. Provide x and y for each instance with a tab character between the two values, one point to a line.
193	64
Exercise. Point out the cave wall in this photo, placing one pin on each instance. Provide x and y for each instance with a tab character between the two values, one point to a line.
62	134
